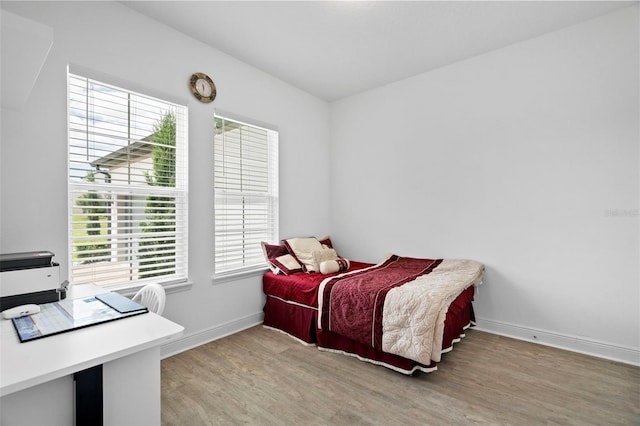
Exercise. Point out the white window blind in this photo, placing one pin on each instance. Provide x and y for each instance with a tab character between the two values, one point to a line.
128	193
246	194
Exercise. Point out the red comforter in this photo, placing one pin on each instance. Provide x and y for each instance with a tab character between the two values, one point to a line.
397	306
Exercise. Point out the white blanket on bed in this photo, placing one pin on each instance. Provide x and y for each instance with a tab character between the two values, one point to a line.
414	313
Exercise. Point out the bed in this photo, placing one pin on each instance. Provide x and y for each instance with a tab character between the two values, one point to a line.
371	311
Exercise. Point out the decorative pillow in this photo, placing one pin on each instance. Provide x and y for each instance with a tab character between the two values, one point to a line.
332	266
320	256
302	249
279	260
286	265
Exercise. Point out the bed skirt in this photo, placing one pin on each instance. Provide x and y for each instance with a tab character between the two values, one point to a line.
298	320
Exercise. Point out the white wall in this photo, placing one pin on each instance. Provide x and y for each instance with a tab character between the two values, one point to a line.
526	159
130	50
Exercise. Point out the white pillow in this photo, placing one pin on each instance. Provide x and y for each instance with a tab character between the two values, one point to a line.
332	266
302	249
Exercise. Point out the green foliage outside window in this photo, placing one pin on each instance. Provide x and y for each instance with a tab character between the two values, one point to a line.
95	210
156	251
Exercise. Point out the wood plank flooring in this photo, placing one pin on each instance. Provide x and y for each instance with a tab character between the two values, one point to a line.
263	377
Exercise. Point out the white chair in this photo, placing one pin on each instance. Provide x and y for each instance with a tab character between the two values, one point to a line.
152	296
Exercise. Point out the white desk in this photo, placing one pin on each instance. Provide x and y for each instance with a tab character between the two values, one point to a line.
36	382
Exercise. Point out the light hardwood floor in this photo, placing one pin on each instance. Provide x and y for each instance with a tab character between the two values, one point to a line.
263	377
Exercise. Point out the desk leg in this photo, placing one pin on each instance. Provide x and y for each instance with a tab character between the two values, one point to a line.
89	409
131	387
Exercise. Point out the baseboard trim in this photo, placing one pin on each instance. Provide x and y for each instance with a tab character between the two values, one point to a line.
194	340
591	347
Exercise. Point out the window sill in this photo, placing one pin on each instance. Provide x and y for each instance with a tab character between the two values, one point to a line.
169	287
238	275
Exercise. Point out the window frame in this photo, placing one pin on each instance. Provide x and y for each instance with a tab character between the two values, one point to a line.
178	194
272	233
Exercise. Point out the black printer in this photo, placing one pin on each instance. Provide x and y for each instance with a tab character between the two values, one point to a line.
29	277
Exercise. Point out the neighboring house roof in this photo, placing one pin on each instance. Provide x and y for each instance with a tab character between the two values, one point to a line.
132	153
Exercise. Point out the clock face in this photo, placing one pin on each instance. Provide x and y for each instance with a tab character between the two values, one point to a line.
202	87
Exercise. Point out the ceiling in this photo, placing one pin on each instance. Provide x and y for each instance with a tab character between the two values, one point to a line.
334	49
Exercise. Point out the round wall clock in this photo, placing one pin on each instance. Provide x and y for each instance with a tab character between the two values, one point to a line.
202	87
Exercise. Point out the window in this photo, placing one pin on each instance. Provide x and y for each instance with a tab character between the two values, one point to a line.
246	195
127	186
